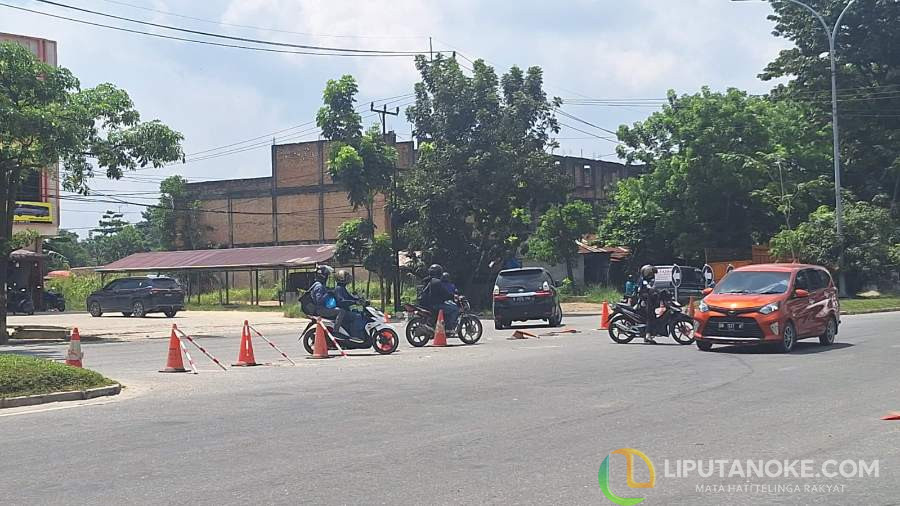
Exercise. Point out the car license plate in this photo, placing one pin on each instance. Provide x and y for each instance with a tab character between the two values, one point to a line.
524	300
731	326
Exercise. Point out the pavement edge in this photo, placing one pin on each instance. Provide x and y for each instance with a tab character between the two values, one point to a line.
77	395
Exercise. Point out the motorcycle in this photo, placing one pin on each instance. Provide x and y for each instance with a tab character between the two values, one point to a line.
629	321
371	332
421	325
53	300
19	302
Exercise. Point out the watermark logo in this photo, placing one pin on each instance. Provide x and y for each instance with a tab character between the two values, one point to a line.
629	454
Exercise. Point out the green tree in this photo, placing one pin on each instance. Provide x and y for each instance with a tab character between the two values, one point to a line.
558	229
46	118
715	163
107	248
868	85
110	223
174	222
872	239
353	240
68	245
483	168
362	162
380	259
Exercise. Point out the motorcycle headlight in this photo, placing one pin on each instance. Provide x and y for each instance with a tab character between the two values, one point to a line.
769	308
703	307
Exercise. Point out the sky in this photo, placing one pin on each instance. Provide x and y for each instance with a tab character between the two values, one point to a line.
217	97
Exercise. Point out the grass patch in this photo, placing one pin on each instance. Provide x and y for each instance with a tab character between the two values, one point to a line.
24	375
852	306
594	295
233	307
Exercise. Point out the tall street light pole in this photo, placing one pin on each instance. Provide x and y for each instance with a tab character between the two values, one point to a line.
831	33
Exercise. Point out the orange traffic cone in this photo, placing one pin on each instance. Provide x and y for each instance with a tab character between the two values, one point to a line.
604	316
891	416
521	334
320	346
440	335
74	355
245	357
174	363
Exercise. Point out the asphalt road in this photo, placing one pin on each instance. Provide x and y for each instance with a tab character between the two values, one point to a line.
502	422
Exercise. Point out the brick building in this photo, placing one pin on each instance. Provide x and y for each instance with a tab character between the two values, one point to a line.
301	204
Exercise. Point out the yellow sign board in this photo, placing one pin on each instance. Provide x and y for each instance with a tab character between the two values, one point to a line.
33	212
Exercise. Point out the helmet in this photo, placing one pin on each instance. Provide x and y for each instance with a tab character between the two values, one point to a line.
343	277
445	277
435	271
648	271
323	271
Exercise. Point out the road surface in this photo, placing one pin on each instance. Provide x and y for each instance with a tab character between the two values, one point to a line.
502	422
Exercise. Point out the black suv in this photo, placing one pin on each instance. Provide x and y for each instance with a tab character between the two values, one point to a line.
692	283
138	297
526	294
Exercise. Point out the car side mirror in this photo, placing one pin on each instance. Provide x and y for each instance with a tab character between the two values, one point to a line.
801	293
707	291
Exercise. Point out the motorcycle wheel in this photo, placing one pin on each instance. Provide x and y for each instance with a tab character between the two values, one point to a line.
386	341
469	329
415	339
308	338
682	331
616	333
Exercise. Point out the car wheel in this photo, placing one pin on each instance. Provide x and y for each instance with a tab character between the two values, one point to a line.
556	319
498	324
95	309
126	314
704	345
827	339
170	313
138	309
788	339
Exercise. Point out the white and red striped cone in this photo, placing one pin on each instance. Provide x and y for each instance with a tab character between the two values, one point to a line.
74	355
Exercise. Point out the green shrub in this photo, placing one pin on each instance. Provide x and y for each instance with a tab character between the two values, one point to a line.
24	375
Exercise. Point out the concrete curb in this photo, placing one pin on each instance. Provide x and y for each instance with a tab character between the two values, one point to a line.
871	311
78	395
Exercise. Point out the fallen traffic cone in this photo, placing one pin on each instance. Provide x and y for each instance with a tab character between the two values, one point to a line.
74	355
895	415
245	357
521	334
320	346
440	335
604	316
174	363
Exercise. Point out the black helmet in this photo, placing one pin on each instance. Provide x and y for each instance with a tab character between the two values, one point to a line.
323	271
435	271
648	271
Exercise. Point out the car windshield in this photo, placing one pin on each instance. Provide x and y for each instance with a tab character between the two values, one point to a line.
526	280
165	284
754	282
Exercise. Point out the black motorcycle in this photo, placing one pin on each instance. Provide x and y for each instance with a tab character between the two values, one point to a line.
421	324
374	333
629	321
19	302
54	301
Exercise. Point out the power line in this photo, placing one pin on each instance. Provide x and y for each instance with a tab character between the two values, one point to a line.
204	42
267	29
227	37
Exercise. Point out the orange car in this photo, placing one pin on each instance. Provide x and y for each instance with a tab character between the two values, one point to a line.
769	303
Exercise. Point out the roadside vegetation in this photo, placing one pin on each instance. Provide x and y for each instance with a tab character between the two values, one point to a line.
871	304
22	375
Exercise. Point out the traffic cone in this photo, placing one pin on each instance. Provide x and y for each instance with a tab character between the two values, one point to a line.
691	308
604	316
320	347
74	355
521	334
440	335
245	357
174	363
891	416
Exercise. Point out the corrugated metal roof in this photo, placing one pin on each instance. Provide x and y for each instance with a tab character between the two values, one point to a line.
232	258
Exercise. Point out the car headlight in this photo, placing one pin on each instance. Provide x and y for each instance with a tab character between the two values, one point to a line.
769	308
703	307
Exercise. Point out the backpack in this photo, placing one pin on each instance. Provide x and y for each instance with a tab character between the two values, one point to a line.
306	303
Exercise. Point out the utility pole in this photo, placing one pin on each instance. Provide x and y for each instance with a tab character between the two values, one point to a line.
384	113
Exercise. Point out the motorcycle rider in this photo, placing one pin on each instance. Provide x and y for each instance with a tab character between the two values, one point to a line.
321	295
649	297
445	279
436	298
345	300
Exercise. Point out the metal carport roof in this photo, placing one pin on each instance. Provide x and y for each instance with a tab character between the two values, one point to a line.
265	257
